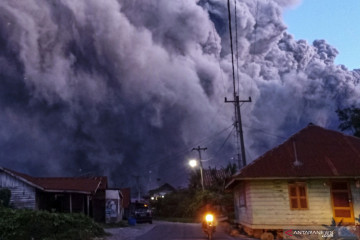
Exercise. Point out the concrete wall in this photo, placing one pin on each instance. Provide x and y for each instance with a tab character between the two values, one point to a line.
113	209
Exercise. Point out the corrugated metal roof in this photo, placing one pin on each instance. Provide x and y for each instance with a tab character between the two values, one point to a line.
312	152
68	184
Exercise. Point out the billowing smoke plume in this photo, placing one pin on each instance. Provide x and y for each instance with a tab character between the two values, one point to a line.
126	88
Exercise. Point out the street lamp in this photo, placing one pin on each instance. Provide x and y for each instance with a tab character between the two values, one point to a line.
193	163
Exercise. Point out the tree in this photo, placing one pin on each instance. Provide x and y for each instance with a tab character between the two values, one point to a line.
350	120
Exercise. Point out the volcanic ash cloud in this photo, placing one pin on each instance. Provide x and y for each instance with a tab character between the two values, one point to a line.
126	87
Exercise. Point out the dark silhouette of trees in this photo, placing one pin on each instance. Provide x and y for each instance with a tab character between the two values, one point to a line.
349	120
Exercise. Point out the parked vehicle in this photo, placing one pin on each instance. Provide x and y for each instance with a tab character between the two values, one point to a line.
142	213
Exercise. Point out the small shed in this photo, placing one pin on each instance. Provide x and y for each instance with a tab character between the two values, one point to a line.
114	209
310	179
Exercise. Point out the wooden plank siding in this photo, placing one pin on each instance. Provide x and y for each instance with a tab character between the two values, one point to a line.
243	213
22	194
355	192
268	204
271	204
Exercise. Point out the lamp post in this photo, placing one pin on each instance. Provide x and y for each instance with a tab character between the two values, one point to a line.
193	163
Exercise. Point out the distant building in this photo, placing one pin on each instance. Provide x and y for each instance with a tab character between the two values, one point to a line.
161	191
88	195
310	179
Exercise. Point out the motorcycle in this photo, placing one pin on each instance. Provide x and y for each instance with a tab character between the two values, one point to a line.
209	226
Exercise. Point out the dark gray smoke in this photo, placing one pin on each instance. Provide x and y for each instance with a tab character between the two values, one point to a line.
126	88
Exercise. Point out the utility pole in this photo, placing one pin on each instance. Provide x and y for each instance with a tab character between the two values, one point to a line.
236	101
137	177
238	125
199	149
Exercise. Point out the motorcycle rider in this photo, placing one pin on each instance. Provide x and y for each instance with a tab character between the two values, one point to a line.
208	209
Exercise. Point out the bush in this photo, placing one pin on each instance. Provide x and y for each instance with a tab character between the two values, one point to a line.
5	195
42	225
189	203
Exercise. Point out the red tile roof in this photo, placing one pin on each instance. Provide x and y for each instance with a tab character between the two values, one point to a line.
312	152
69	184
215	176
81	184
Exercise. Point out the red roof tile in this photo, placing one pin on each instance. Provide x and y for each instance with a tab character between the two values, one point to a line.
69	184
319	152
215	176
81	184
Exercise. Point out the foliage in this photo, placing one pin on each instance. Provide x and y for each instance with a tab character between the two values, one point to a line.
350	120
195	180
29	224
187	203
218	184
5	195
191	202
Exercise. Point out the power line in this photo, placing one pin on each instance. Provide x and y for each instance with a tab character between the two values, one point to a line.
237	50
223	144
265	132
220	69
186	150
254	48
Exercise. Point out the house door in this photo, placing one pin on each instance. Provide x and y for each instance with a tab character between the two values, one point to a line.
342	202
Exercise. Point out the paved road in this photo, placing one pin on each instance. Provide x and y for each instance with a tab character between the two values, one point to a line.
180	231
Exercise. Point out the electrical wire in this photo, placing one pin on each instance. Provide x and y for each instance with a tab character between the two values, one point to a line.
220	69
226	139
255	36
237	51
187	150
231	49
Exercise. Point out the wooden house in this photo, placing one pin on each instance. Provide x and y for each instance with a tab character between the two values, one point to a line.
75	194
310	179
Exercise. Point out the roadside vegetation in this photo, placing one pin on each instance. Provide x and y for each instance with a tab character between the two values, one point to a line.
188	205
42	225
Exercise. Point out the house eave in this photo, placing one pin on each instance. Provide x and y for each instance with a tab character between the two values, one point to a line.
287	178
66	191
22	179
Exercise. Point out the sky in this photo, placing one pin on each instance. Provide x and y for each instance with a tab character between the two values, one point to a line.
335	21
125	88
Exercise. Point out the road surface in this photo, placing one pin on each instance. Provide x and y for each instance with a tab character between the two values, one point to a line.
180	231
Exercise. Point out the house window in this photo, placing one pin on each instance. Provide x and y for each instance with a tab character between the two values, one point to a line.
242	195
298	196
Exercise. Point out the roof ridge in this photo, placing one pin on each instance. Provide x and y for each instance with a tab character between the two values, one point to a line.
316	143
310	125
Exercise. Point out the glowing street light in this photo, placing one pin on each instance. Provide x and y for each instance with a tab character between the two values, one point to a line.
193	163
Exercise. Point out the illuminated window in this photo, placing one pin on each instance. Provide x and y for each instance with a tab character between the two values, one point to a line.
298	196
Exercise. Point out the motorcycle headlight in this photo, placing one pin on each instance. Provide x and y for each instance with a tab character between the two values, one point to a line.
209	217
